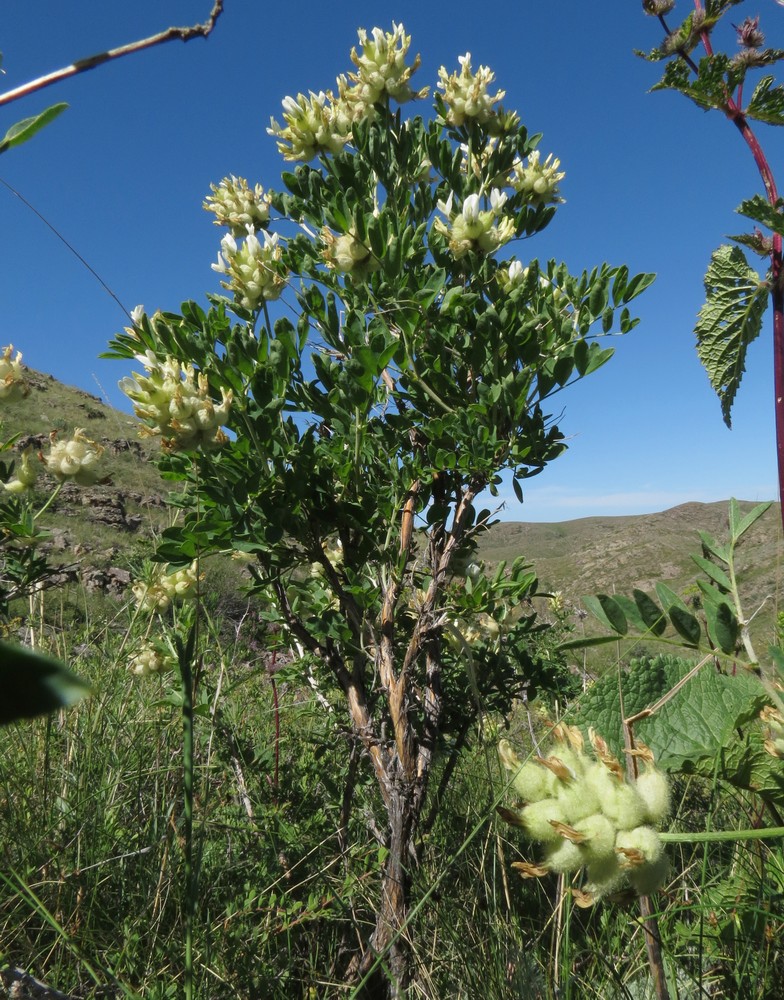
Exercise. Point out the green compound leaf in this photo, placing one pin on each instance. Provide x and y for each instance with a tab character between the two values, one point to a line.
729	321
32	684
27	128
687	732
767	103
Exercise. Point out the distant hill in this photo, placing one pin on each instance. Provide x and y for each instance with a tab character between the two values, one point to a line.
109	524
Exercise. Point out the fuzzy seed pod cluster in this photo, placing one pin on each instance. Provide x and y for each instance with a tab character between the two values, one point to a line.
585	813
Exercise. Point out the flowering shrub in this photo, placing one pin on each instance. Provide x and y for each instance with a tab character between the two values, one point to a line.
362	433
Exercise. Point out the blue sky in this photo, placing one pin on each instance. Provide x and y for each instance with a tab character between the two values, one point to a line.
651	181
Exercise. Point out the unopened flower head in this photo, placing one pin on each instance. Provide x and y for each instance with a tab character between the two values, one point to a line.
160	588
13	384
473	228
26	473
381	68
253	267
347	254
174	401
466	93
237	206
150	659
538	181
76	460
313	125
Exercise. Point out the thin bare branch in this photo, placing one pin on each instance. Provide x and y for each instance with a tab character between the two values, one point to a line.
82	65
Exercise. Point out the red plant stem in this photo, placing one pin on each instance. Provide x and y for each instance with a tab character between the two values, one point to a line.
734	111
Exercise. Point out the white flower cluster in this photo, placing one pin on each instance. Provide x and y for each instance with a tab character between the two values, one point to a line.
538	181
321	123
237	206
161	587
75	460
347	254
25	476
254	268
313	125
473	228
585	813
13	385
466	93
381	68
150	660
512	276
175	402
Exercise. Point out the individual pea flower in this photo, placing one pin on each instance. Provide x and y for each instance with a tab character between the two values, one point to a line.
381	68
536	180
75	460
26	474
237	206
473	228
512	276
174	401
254	268
13	385
347	254
313	125
150	659
466	93
159	588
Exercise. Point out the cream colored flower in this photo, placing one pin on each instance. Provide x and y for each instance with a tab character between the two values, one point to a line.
149	659
26	474
347	254
75	460
473	228
466	93
254	268
161	588
13	384
237	206
174	401
538	181
313	125
381	68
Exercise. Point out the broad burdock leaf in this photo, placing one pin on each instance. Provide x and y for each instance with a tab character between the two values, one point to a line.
32	684
688	732
729	321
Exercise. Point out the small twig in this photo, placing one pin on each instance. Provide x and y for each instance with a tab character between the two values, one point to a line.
82	65
647	712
